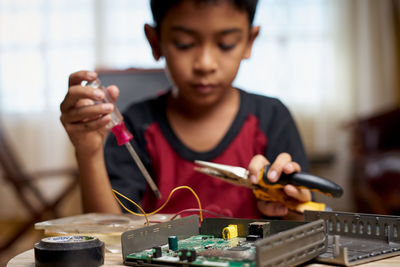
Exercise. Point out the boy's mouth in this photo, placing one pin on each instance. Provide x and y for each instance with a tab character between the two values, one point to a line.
204	88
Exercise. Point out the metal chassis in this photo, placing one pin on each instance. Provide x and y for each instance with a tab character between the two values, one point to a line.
355	238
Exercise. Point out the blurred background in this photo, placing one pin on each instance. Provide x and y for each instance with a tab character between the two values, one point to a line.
334	63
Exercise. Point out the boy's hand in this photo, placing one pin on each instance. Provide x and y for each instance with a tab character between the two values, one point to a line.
283	163
85	121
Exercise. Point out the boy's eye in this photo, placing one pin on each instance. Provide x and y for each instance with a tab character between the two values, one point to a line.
226	47
183	46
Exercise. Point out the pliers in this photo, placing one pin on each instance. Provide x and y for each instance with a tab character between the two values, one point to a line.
272	192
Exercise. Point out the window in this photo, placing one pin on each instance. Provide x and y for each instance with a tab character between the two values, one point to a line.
293	56
40	43
43	41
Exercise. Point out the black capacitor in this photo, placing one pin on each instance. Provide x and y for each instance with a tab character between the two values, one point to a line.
157	252
191	255
182	254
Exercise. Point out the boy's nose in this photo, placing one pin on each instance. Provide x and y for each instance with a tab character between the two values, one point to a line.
205	61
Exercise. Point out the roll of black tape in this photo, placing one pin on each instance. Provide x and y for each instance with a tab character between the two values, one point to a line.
66	251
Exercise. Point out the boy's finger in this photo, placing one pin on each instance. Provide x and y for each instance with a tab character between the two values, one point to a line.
83	113
84	102
291	167
76	93
79	76
276	168
89	125
272	209
95	124
113	91
256	164
300	194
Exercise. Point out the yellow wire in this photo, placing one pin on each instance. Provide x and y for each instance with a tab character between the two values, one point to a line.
133	202
170	194
162	206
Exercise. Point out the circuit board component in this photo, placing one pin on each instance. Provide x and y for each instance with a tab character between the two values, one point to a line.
203	250
224	242
230	231
259	229
173	243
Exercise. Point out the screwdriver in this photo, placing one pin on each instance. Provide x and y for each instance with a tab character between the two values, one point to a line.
123	136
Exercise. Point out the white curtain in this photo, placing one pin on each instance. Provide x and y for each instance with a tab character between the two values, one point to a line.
376	56
296	59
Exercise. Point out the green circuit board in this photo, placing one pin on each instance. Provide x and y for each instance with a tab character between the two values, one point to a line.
208	250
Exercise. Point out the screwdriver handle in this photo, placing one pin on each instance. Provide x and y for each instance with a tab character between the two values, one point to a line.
302	180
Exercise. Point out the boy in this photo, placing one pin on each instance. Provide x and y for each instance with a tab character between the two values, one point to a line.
203	117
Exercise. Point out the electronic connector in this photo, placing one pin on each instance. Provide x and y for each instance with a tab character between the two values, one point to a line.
230	231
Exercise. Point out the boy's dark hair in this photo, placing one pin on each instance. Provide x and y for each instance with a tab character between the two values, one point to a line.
159	8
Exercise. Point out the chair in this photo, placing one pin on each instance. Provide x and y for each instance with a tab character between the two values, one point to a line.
375	168
23	184
135	84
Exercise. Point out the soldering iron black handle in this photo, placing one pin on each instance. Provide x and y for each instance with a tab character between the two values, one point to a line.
302	179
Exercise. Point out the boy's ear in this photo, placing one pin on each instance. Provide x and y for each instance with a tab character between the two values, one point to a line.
254	31
154	40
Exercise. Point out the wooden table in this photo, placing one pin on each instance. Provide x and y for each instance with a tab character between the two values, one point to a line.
27	259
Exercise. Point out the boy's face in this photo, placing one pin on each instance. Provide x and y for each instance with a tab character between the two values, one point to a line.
203	45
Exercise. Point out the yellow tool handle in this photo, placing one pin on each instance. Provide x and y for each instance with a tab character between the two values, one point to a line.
276	195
